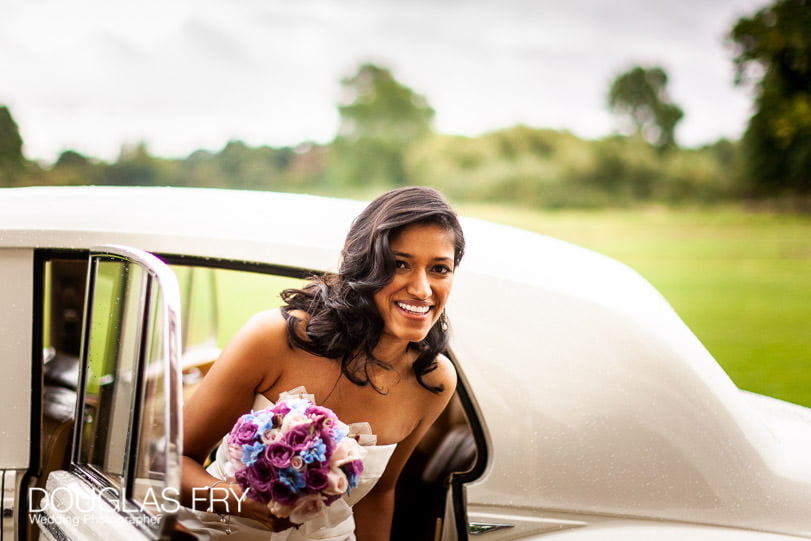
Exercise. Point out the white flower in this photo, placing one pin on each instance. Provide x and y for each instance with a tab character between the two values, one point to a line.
307	508
279	510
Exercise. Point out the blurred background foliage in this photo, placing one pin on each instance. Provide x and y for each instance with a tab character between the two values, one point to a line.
385	139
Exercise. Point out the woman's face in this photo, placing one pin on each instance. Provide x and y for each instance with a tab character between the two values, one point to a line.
414	299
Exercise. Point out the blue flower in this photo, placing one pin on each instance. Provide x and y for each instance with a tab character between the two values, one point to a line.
338	434
316	452
251	452
263	421
293	479
299	405
353	481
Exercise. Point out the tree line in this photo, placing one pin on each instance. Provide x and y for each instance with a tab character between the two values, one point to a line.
385	138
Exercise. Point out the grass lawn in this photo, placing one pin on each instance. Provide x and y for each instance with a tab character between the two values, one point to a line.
740	280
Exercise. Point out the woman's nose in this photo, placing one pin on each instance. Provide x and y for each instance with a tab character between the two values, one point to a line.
419	286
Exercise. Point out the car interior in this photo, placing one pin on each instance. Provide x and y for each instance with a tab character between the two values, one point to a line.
448	448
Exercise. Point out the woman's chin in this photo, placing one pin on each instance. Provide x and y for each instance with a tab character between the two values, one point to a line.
409	335
416	336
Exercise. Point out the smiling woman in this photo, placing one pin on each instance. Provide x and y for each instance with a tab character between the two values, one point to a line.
367	342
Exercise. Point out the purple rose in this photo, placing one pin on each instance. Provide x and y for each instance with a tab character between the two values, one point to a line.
281	409
257	488
354	468
297	437
316	479
282	492
327	436
279	454
259	476
243	432
322	417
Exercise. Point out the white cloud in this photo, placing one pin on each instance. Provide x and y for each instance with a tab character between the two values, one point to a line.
94	74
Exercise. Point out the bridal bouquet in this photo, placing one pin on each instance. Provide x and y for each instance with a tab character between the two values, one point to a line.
294	456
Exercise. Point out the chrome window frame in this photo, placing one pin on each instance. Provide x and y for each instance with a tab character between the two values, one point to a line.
158	275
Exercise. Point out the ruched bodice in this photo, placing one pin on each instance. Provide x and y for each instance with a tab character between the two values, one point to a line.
335	523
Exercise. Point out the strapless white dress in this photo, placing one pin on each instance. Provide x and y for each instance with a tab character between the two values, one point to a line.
335	523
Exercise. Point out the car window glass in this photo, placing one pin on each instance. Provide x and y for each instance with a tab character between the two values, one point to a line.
200	307
112	357
150	463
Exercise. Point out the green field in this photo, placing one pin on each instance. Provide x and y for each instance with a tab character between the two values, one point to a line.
740	280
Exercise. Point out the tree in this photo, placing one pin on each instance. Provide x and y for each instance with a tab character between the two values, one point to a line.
135	167
639	98
71	158
773	55
11	147
380	119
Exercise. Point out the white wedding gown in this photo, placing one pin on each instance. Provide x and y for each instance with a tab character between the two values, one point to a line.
335	523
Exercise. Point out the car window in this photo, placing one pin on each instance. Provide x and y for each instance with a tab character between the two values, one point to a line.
126	442
115	326
153	476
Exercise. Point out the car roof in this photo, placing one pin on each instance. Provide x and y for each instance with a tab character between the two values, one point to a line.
299	230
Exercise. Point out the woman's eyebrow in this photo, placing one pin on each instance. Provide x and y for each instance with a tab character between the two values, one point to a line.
406	255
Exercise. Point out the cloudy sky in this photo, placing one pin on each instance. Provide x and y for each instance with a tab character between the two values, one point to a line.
92	75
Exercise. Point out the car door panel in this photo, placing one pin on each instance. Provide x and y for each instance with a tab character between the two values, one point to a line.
15	343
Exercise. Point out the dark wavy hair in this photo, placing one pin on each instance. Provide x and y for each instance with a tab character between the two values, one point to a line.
344	321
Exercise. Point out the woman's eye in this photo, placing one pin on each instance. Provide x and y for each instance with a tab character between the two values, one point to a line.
442	269
400	264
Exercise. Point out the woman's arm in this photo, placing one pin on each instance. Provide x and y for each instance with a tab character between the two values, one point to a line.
373	514
247	364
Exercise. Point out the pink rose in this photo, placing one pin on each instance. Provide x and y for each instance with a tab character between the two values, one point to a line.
270	436
337	483
307	508
347	450
234	462
294	419
297	463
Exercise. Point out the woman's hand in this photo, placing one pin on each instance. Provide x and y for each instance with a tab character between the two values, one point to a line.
258	511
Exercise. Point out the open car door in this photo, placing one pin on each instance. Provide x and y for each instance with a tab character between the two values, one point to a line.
124	476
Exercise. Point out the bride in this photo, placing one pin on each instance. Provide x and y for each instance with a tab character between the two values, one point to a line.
366	342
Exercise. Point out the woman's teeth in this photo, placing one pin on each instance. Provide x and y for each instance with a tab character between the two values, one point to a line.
413	309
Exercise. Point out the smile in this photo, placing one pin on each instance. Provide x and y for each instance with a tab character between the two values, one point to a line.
413	309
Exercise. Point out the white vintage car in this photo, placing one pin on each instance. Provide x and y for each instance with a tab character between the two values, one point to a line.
586	408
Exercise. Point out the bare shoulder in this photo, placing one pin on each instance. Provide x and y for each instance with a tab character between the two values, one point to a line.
264	328
444	376
262	337
446	371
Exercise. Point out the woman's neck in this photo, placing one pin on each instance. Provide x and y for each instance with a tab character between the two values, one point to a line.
393	352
